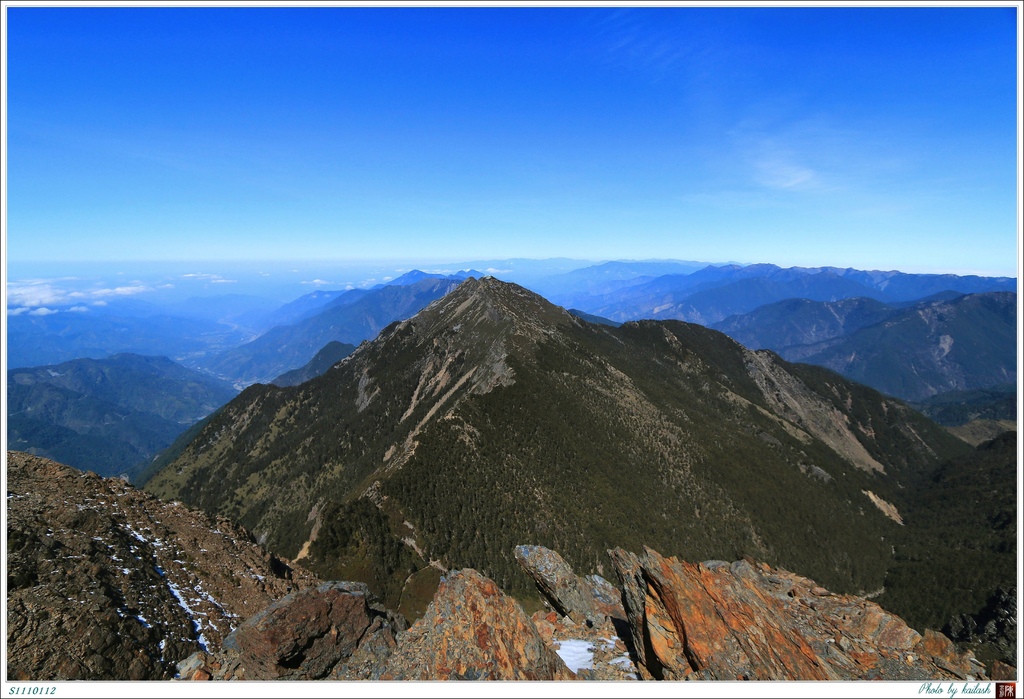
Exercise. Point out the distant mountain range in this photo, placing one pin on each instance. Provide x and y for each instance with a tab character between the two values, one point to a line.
911	336
348	318
608	278
493	417
715	293
110	415
38	340
911	352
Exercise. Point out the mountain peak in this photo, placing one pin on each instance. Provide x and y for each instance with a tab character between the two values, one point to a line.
491	308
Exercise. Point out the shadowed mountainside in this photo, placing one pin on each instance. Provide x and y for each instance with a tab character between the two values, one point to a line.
108	415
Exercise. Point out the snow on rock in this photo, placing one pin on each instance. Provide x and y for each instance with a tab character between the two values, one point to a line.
576	654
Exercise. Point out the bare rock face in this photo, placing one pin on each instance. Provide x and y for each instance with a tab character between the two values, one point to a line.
716	620
584	600
310	634
473	631
106	582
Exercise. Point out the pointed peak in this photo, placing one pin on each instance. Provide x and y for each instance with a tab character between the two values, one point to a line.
490	301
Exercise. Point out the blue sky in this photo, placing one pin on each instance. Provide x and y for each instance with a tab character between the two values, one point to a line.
877	138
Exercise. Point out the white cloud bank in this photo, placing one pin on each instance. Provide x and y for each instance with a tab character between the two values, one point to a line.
37	293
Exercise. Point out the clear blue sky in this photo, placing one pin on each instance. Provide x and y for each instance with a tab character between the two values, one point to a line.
878	138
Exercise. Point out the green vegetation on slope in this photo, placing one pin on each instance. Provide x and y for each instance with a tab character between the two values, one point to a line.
960	542
356	542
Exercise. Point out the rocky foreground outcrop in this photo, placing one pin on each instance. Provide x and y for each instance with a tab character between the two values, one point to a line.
589	600
474	631
722	621
107	582
334	631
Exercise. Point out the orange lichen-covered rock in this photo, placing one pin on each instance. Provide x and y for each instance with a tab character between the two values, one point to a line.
717	620
473	631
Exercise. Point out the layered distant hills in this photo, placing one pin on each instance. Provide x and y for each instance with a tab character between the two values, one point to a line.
715	293
915	352
107	415
39	340
349	318
935	340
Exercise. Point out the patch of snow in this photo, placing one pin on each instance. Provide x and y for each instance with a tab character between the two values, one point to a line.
144	621
209	598
181	599
577	655
134	533
197	625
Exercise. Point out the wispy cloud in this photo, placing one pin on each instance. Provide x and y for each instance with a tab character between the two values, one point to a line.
37	293
42	312
772	154
783	157
34	293
206	276
106	293
317	282
633	41
779	170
